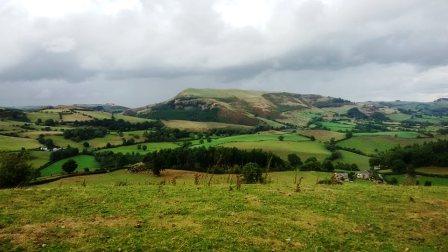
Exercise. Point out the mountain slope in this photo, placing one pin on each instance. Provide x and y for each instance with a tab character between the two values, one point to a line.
235	106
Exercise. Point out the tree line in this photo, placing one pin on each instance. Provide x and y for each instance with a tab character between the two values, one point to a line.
406	159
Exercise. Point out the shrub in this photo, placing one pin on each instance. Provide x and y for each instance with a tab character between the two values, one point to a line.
14	169
70	166
428	183
144	147
252	173
294	160
86	170
393	181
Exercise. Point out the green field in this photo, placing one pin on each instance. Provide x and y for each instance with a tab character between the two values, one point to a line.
401	134
399	117
84	161
352	158
323	135
201	126
39	158
403	179
143	215
150	148
298	117
8	143
303	149
96	114
370	144
261	136
338	126
33	116
433	170
100	142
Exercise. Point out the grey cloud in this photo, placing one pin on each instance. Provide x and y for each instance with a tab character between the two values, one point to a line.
310	46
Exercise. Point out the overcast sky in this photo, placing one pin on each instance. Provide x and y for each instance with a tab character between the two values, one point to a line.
134	53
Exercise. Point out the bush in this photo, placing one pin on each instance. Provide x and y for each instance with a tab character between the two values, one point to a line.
14	169
393	181
86	170
70	166
294	160
428	183
252	173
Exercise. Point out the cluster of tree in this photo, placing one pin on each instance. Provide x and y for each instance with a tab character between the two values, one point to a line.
356	114
69	166
346	166
47	142
49	122
165	134
111	160
15	169
212	159
406	159
370	127
13	114
85	133
443	131
121	125
312	164
63	153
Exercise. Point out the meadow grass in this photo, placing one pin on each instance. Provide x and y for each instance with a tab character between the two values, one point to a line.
257	137
100	142
8	143
370	144
150	147
401	134
39	158
83	161
96	114
200	126
72	117
433	170
338	126
298	117
33	116
122	211
436	181
323	135
399	117
304	150
352	158
131	119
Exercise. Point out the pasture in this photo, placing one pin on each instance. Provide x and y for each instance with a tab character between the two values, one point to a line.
200	126
83	161
433	170
284	148
371	144
338	126
420	179
39	158
400	134
352	158
150	147
122	211
8	143
323	135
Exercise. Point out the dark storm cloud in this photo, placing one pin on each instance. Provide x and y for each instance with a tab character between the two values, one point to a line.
148	50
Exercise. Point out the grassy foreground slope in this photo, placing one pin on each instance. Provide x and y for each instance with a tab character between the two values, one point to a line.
143	215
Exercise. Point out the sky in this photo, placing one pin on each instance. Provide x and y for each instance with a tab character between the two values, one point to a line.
139	52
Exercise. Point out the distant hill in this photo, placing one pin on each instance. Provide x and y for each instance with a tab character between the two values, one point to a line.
235	106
